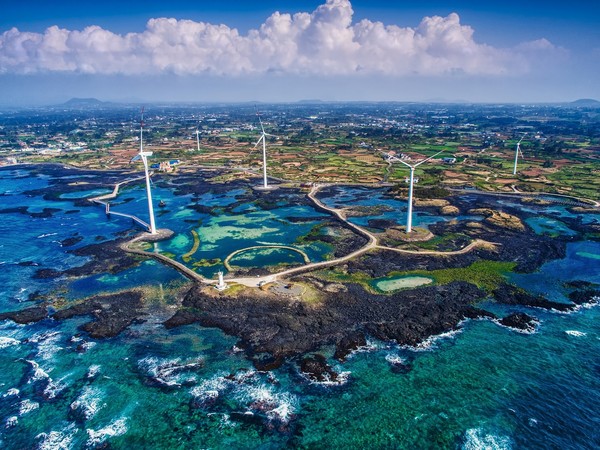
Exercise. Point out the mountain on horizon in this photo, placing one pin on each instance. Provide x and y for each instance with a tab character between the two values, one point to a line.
76	102
586	102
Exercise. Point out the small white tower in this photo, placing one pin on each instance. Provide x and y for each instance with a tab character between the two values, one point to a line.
221	286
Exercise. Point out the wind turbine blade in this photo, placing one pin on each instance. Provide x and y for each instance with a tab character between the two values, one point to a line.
425	160
260	121
260	139
135	158
405	163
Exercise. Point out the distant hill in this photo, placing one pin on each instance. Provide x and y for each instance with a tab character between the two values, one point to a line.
83	103
586	102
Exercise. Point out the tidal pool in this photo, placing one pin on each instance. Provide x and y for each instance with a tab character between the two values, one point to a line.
400	282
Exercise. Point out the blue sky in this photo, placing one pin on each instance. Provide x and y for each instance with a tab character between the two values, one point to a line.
509	51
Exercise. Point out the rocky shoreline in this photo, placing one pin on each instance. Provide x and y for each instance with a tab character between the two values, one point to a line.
273	329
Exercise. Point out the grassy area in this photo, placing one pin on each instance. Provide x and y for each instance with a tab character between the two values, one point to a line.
484	274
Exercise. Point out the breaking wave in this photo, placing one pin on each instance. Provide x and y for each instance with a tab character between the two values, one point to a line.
88	403
116	428
476	439
171	372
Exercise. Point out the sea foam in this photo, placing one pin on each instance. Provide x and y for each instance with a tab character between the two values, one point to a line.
170	372
116	428
476	439
575	333
431	342
26	406
89	402
57	440
8	342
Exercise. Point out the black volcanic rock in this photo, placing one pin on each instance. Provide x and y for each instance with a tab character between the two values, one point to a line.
27	264
348	344
519	321
68	242
44	274
28	315
113	313
512	295
279	327
584	296
106	257
316	369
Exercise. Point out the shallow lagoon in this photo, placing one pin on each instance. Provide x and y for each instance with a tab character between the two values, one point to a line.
484	386
226	231
400	282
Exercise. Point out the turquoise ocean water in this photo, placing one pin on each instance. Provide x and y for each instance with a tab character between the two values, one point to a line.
482	387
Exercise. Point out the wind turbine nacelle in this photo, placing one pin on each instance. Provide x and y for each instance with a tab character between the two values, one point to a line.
145	153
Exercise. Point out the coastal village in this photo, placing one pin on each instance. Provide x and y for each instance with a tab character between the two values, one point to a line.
314	142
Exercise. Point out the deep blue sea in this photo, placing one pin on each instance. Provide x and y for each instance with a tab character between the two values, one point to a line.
482	387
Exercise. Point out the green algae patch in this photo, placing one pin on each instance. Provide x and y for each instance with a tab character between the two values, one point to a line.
484	274
186	257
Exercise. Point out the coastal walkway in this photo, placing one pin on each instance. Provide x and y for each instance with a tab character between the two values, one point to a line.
160	235
101	200
372	244
561	199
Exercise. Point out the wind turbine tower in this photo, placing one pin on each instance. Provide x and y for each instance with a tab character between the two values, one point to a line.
144	157
198	138
410	188
263	138
517	151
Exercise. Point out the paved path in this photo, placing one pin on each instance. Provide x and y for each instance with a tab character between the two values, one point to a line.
101	200
468	248
162	234
561	198
372	244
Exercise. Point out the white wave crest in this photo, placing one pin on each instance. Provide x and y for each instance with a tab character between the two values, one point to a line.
12	392
53	388
276	405
93	371
8	342
575	333
58	440
170	372
47	347
85	346
12	421
431	342
394	359
26	406
46	235
116	428
89	402
38	372
210	389
476	439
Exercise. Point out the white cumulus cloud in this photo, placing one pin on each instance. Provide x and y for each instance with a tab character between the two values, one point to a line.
323	42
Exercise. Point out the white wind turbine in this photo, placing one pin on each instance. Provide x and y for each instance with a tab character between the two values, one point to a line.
263	138
517	151
198	138
410	187
144	157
